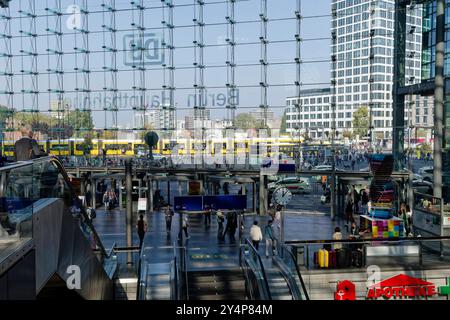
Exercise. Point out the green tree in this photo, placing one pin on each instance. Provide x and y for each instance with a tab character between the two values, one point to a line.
361	121
81	122
245	121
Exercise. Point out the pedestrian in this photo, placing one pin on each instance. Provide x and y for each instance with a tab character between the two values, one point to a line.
226	189
106	200
141	229
270	239
207	215
185	225
27	148
169	215
233	225
277	218
220	221
256	235
111	199
349	208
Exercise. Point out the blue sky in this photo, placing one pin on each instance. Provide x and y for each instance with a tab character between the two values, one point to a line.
312	73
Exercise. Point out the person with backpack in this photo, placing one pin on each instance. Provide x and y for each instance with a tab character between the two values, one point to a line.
27	148
271	241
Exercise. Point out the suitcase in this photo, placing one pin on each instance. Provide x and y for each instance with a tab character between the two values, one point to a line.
332	259
323	258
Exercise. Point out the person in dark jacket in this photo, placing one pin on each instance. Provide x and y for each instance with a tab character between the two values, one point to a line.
27	148
141	229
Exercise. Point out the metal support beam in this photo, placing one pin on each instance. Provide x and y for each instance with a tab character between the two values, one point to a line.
120	194
262	194
439	98
94	193
129	213
149	195
398	123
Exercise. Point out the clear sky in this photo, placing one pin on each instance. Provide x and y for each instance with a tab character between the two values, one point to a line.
282	76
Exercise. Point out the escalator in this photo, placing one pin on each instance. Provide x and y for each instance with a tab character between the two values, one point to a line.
278	278
49	237
217	285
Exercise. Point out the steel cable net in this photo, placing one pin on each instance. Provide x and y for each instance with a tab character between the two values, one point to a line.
114	69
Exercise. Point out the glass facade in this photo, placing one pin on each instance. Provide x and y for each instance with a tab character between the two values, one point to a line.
428	73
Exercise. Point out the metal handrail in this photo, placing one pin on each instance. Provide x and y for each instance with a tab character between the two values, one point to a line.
260	263
62	171
297	269
77	200
139	290
364	240
185	272
181	269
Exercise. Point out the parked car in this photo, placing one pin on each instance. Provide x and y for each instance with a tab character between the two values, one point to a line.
424	187
294	184
426	173
417	177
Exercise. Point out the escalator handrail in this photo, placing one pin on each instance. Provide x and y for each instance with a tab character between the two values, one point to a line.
62	171
181	272
263	271
283	248
78	201
111	251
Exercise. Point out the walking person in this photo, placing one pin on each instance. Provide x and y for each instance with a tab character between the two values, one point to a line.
208	217
270	239
141	229
233	226
169	215
111	199
256	235
349	208
220	221
106	201
185	225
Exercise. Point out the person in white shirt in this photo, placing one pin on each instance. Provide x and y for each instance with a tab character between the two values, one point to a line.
256	235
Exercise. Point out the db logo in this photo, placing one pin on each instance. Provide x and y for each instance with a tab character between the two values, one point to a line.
346	290
143	50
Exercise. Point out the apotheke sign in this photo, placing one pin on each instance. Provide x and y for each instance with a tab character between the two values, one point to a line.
402	287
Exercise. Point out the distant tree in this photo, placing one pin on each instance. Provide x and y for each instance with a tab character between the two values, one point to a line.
347	134
425	148
81	122
361	121
245	121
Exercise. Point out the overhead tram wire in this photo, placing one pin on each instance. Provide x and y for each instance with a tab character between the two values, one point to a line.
245	65
208	3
